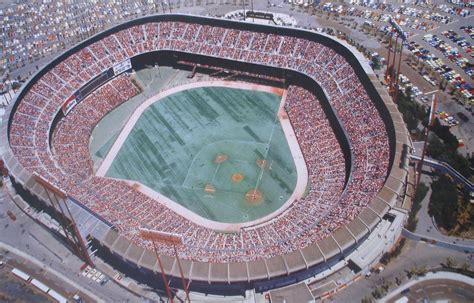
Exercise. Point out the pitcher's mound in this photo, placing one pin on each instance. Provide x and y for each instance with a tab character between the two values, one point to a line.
254	196
220	158
237	177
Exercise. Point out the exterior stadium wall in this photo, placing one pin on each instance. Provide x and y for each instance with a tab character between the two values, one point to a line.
266	273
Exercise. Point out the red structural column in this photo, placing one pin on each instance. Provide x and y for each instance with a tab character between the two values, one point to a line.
389	52
185	286
398	74
392	69
163	275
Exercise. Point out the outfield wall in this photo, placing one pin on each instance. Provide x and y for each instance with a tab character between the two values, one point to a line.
292	78
267	273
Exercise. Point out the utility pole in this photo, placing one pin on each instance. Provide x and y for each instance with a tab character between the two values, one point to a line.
425	143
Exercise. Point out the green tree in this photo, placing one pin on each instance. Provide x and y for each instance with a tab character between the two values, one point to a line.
419	196
411	111
422	271
444	202
377	293
411	272
398	280
16	85
445	134
451	263
465	266
447	152
460	163
435	148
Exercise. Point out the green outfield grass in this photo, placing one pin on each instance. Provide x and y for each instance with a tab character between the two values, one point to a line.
173	146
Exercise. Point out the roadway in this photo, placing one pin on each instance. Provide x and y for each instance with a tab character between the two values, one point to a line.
445	168
439	287
34	249
53	254
414	254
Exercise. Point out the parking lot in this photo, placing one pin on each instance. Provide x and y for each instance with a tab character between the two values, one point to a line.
439	35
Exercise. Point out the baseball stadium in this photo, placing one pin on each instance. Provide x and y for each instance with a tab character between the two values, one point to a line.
263	154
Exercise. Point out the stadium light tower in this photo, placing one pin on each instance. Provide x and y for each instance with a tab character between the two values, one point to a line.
169	239
59	200
251	4
145	235
431	119
392	74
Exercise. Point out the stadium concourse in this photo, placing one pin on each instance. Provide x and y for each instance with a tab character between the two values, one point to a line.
355	175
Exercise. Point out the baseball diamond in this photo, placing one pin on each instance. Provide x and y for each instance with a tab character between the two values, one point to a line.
272	152
211	136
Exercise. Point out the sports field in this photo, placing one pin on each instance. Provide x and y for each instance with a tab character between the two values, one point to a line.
220	152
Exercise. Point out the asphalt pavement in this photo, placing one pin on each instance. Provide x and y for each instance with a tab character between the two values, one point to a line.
414	254
436	287
426	225
437	31
27	236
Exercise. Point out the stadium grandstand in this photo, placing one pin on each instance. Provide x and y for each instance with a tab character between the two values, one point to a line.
351	135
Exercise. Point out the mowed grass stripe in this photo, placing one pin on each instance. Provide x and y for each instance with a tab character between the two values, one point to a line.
224	105
148	162
252	133
171	109
205	110
172	130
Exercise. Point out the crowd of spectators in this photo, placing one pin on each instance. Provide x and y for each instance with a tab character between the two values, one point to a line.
331	201
71	137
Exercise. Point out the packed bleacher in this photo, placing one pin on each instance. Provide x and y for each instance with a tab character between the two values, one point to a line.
328	204
71	136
